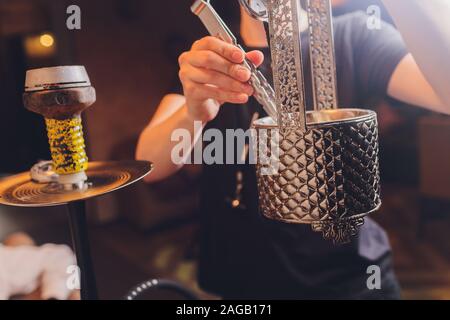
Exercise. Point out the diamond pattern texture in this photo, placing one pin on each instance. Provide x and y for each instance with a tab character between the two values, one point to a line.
328	173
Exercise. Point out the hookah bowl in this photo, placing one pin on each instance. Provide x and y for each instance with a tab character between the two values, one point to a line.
60	94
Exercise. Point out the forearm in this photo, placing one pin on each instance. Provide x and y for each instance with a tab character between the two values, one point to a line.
156	145
425	27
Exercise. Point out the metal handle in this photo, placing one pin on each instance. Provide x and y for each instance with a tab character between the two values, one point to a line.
322	54
264	92
285	46
285	41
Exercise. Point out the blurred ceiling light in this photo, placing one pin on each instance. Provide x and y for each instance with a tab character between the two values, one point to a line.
40	46
47	40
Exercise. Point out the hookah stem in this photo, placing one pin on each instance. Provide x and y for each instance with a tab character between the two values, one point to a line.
80	239
67	145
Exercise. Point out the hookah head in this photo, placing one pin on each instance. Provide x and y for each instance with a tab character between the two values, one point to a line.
60	95
58	92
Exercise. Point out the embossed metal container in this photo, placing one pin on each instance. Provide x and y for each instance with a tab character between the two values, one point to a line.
318	167
327	176
323	167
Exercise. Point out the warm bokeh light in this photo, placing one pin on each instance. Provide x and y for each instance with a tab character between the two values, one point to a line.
46	40
42	45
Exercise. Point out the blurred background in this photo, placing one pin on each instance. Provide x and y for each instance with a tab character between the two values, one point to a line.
130	49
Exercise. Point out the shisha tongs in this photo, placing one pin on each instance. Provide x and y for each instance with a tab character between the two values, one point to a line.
264	92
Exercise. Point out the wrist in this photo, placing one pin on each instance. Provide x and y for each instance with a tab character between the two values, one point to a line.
190	117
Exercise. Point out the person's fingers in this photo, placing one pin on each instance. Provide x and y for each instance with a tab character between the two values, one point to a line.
256	56
199	92
222	48
211	60
211	77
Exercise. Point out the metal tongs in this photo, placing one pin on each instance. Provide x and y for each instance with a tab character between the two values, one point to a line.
264	92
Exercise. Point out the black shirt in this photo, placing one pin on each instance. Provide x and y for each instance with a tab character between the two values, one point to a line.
245	255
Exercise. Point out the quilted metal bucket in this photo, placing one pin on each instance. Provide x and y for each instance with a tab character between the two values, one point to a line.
327	176
326	161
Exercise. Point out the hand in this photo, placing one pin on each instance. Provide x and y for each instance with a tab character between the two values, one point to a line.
211	74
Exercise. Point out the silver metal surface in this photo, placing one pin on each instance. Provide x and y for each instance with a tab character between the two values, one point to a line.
42	172
286	54
264	92
328	176
257	9
56	77
322	54
103	177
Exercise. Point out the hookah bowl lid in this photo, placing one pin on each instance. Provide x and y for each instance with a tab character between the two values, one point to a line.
60	77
